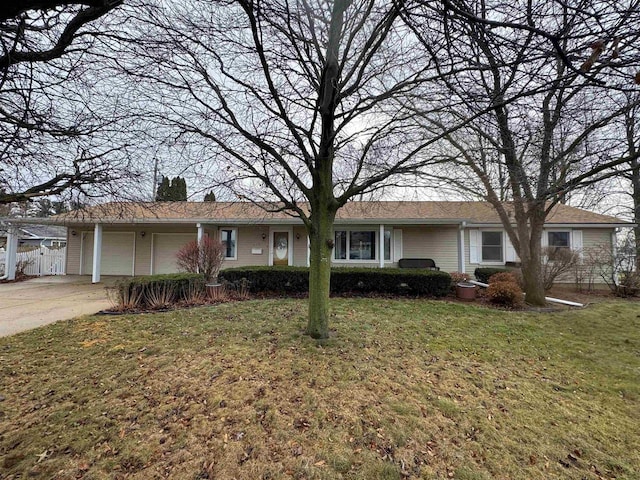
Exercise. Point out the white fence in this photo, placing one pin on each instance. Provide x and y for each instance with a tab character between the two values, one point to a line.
39	262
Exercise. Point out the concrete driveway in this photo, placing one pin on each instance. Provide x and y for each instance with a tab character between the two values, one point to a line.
40	301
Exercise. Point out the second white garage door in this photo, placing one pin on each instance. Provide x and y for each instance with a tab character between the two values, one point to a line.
165	248
117	253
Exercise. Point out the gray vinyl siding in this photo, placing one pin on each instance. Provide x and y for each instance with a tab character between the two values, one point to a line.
439	243
73	252
300	246
249	238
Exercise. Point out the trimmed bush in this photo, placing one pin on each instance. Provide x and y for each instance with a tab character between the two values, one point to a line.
484	274
269	279
155	291
508	294
343	280
503	277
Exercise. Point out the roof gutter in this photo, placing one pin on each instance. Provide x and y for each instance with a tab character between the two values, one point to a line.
464	223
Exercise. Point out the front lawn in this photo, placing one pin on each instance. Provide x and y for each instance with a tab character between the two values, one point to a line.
404	389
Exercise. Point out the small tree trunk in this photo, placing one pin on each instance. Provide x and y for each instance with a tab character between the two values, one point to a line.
531	262
321	250
532	282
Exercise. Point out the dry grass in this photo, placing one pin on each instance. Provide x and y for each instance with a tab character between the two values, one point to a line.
404	389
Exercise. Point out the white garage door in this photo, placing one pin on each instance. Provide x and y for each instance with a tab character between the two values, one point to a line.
117	253
165	248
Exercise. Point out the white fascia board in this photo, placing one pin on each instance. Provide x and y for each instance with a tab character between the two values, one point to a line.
556	225
399	221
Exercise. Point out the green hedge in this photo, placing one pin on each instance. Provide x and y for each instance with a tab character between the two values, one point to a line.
181	286
484	274
269	279
343	280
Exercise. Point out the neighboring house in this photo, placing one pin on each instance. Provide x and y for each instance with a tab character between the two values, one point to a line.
37	248
143	239
51	236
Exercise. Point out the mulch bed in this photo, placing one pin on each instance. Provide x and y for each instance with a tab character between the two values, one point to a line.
561	292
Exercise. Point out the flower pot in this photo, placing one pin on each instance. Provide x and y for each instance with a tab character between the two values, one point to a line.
215	291
466	291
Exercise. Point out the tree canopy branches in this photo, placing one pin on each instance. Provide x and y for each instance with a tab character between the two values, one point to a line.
63	126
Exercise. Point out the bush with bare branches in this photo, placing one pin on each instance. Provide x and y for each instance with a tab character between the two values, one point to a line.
557	262
204	257
617	268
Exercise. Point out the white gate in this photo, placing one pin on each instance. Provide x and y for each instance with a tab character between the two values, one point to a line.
42	261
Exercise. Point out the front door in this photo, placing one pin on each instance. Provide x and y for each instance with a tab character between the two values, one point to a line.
281	248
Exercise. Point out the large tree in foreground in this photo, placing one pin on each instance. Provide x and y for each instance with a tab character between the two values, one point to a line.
553	114
303	103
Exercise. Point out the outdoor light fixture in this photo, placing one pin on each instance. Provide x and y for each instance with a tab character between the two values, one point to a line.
73	233
264	236
297	236
143	233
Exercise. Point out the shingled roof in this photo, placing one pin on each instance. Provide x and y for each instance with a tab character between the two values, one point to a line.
353	212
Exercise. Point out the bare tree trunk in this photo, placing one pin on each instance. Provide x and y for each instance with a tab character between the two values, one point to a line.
323	202
532	277
321	249
531	260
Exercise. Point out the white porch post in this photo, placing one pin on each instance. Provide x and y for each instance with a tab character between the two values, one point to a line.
381	246
461	259
200	232
308	252
200	237
97	253
11	253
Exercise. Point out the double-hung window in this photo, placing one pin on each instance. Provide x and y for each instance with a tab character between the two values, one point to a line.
559	239
228	238
492	248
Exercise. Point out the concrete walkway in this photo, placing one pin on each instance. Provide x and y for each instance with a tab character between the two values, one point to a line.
40	301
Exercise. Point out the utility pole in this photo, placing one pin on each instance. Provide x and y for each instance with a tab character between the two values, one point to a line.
155	179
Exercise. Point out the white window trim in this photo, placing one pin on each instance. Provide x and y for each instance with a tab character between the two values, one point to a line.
492	262
235	251
374	261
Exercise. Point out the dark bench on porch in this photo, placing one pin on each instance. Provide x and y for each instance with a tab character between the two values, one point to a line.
417	263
